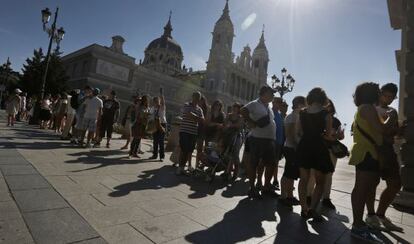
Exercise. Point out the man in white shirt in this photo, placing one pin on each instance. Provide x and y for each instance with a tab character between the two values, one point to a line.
93	110
260	119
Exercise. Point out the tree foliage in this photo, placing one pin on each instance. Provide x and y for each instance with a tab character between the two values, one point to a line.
33	70
8	77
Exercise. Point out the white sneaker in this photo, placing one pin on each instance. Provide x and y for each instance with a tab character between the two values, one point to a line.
386	222
373	222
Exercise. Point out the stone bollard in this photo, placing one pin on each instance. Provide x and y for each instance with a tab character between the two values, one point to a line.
173	138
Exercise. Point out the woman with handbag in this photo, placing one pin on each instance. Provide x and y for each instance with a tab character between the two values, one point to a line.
126	120
368	131
139	122
313	153
338	134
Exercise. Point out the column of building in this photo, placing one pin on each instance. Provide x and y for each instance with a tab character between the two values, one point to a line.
404	12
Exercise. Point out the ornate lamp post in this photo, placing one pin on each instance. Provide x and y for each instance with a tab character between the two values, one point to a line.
284	86
55	35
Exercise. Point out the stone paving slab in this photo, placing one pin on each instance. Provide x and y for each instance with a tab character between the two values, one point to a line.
39	199
39	207
14	231
12	226
17	169
26	182
12	160
58	226
123	234
167	227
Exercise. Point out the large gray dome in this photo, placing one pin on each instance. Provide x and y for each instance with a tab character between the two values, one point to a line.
165	42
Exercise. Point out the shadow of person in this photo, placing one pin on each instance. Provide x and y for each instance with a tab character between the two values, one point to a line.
335	214
165	177
250	219
236	189
35	145
292	228
99	158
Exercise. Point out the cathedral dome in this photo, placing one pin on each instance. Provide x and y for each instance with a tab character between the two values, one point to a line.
166	42
164	54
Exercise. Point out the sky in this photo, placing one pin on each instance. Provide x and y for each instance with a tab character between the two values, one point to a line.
334	44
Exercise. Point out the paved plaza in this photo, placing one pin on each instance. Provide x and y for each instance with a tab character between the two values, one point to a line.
53	192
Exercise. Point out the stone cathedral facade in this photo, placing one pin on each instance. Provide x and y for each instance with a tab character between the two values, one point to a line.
227	77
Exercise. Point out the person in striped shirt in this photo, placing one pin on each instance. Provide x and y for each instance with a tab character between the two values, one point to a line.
192	115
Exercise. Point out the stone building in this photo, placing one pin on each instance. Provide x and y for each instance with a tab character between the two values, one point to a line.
402	18
226	78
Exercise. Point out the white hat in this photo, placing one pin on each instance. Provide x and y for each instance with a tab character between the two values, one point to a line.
17	91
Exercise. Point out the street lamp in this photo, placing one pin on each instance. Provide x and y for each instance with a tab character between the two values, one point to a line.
284	86
55	35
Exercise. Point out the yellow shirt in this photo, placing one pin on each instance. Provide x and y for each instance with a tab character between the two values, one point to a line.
362	145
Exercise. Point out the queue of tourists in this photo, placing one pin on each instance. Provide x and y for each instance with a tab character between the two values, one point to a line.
308	139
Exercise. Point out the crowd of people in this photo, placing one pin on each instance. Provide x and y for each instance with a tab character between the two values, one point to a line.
308	138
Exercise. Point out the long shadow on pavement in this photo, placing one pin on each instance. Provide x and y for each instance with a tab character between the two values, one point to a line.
257	220
99	157
165	177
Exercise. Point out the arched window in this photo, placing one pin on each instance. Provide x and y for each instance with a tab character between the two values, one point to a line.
161	56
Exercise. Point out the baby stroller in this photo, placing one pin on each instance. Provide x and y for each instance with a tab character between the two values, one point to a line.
217	156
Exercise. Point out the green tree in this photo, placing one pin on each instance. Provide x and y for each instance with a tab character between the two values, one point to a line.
8	77
33	71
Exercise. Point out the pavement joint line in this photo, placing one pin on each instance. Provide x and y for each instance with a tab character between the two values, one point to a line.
184	202
98	200
88	239
268	238
133	227
37	188
44	210
342	234
70	178
182	214
100	183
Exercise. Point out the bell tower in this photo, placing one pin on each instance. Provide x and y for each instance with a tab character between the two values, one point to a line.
261	60
221	49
